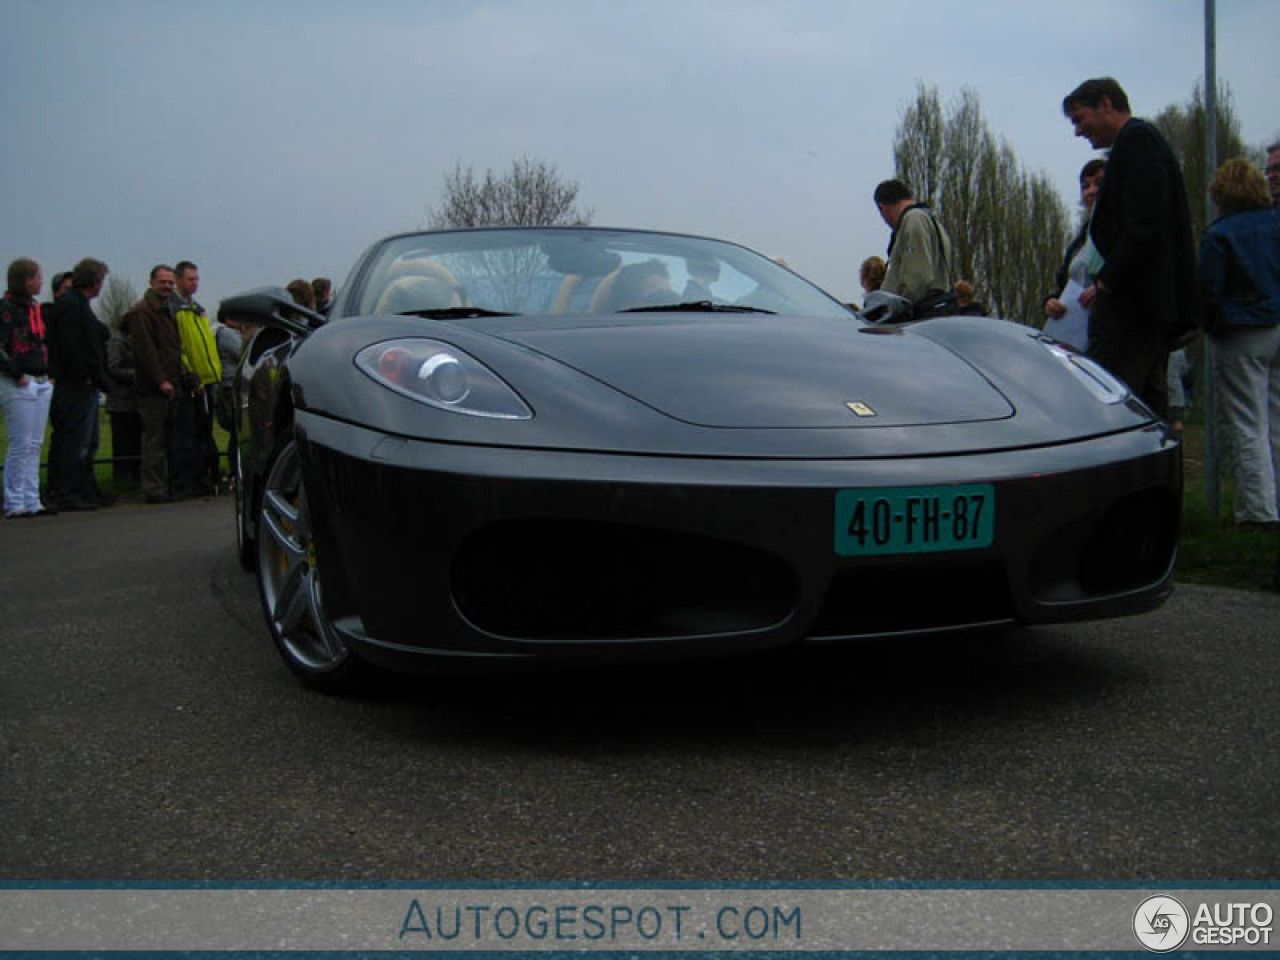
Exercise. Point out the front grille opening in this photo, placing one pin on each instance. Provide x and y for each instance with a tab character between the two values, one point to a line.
1127	546
1132	544
930	595
578	580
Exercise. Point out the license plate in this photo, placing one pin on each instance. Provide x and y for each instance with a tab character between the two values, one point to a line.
891	520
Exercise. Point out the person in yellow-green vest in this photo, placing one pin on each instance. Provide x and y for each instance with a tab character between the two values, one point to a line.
193	450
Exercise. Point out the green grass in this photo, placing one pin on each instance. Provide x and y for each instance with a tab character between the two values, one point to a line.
1212	550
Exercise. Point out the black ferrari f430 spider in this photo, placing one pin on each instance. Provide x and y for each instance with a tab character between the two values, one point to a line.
558	444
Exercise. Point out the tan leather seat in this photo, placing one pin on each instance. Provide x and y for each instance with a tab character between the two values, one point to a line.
419	284
602	301
568	287
417	293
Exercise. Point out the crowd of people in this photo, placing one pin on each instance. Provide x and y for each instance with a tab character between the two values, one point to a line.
163	378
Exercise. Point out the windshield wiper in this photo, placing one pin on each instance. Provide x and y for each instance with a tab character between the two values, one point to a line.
453	313
698	306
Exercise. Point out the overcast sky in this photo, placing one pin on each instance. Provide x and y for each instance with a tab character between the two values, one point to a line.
271	139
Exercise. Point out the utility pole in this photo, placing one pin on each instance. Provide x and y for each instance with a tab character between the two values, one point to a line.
1210	166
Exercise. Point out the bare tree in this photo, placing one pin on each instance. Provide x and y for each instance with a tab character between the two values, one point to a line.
532	194
118	296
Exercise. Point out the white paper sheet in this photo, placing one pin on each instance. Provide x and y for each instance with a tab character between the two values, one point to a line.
1073	326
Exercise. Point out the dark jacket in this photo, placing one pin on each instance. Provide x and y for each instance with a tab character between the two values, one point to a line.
77	342
22	338
1240	269
121	368
1142	228
157	348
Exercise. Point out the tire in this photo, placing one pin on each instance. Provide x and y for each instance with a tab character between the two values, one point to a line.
289	581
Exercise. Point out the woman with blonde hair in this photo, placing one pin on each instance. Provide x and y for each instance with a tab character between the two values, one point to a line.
1240	277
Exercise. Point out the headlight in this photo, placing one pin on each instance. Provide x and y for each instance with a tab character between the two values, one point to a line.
1100	382
442	376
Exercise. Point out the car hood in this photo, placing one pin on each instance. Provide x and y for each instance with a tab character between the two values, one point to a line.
772	372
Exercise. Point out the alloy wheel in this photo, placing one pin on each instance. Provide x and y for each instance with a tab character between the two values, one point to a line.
289	577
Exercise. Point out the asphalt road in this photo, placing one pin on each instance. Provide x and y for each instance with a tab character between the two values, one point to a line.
148	730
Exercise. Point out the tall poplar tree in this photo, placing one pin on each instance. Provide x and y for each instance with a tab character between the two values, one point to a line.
1008	227
1183	125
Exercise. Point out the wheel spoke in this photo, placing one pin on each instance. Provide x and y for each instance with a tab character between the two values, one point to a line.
280	509
326	635
292	603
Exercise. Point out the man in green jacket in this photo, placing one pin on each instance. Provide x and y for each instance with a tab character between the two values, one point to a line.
195	452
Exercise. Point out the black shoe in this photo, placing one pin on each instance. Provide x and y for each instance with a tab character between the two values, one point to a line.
160	498
43	512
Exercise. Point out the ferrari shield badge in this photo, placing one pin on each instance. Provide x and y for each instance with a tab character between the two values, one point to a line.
860	409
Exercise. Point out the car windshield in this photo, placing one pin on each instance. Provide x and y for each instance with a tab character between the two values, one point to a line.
575	272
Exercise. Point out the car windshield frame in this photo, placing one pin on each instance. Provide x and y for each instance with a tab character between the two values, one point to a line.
574	272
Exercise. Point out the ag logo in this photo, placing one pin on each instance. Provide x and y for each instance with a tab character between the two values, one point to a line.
1161	924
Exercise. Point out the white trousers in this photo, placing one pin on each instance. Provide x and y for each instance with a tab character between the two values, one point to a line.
1246	368
26	411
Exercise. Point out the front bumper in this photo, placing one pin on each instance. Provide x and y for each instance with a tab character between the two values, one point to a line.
433	553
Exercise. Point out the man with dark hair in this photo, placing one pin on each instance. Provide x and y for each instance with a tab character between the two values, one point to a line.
77	366
919	248
1272	170
60	284
157	351
1092	92
1145	295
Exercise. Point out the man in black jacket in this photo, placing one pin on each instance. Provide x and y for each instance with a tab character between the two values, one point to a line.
1145	295
77	364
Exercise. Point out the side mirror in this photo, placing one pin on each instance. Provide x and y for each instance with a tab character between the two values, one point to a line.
271	307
